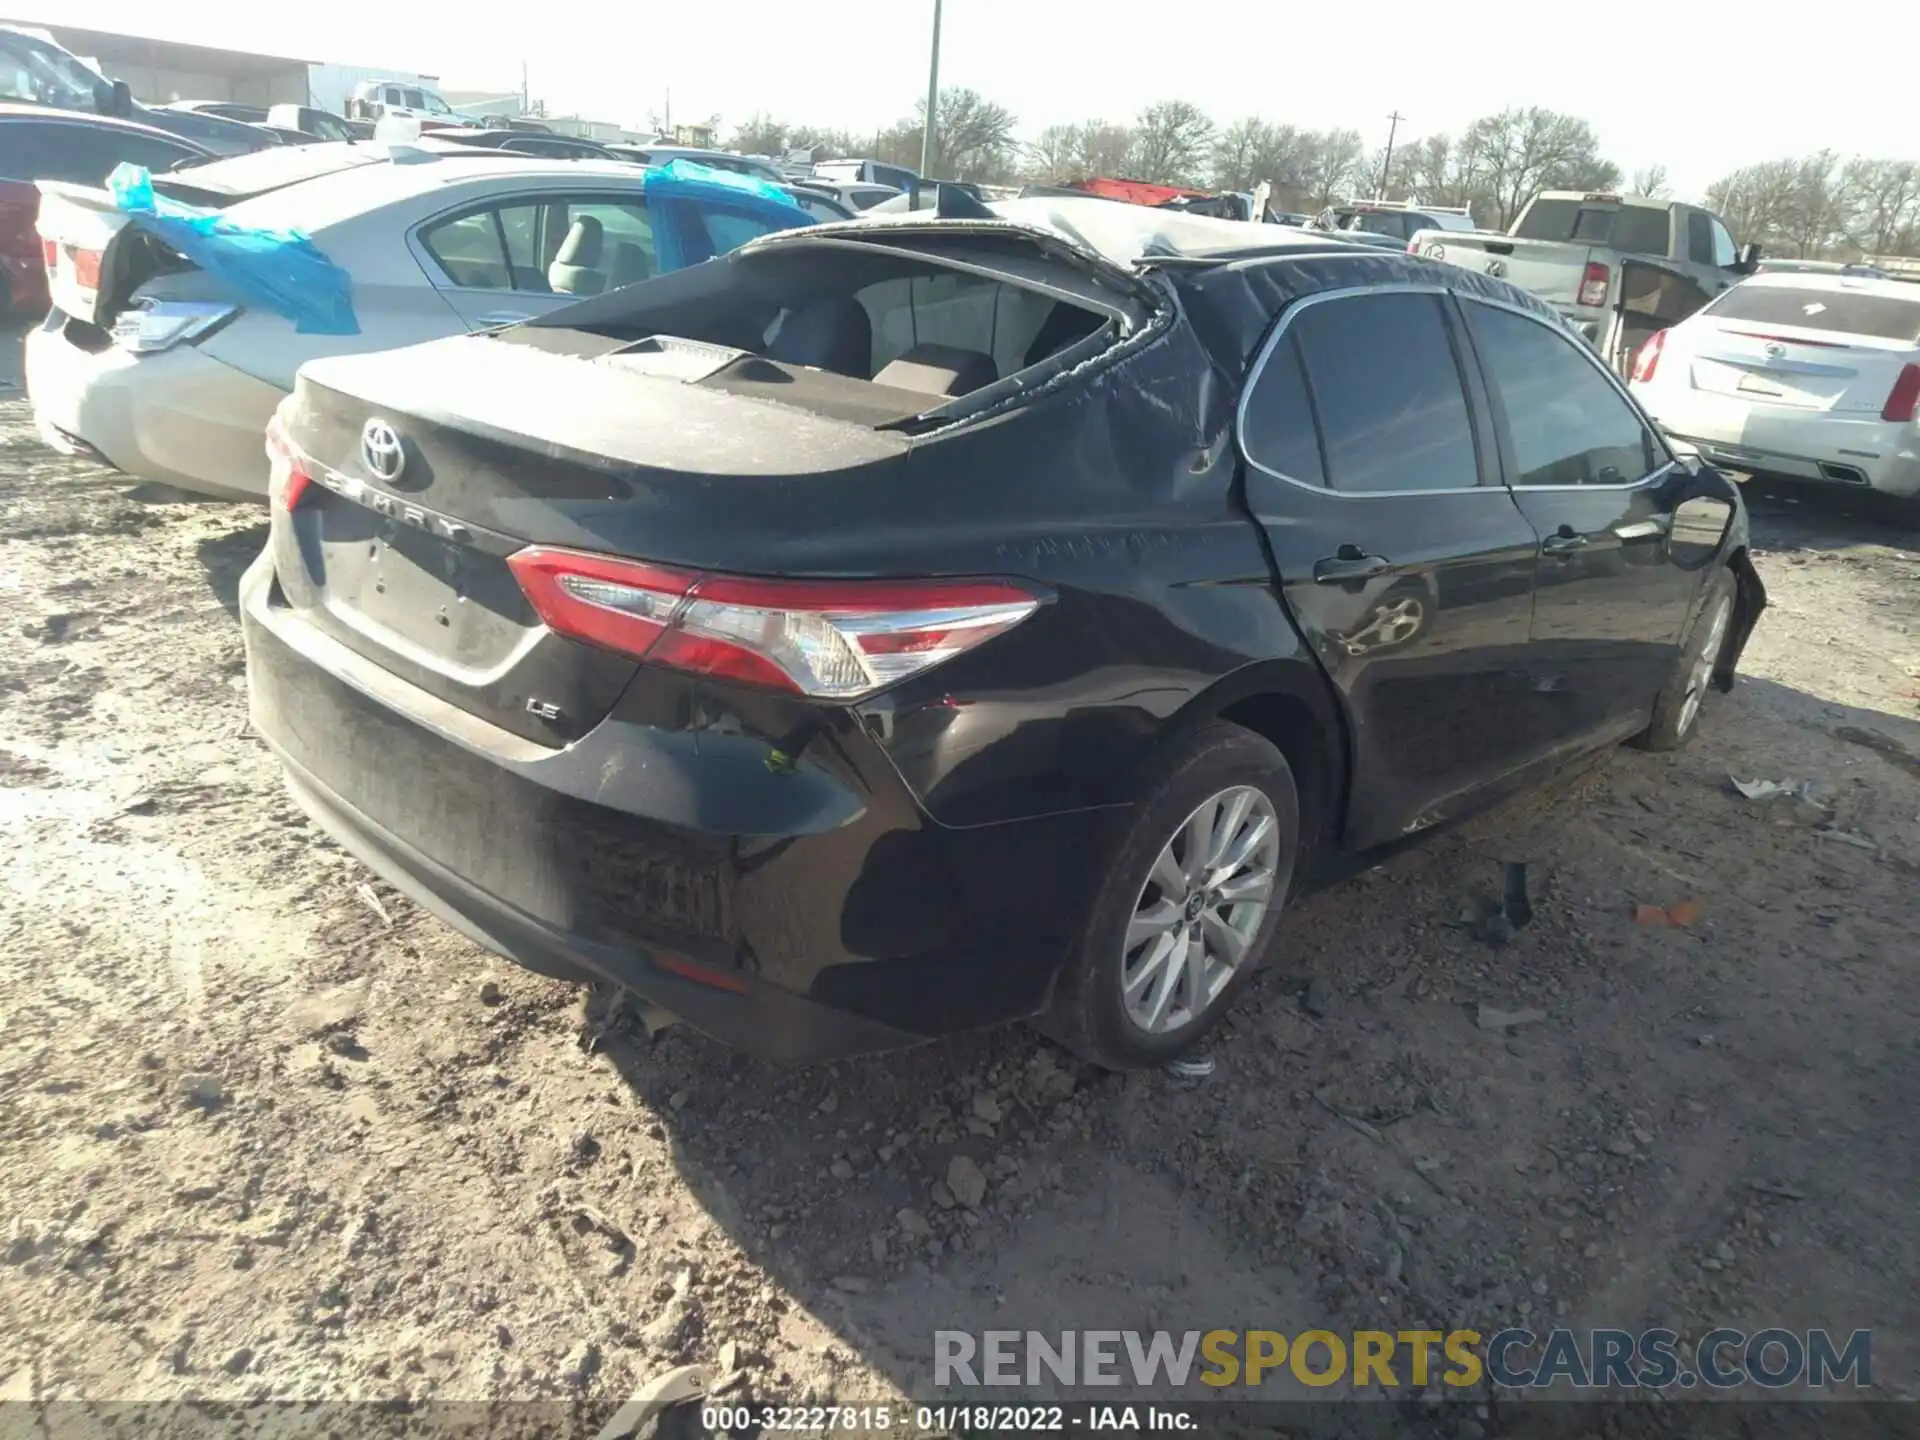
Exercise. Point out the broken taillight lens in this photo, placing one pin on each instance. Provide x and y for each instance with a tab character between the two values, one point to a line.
287	476
1648	360
86	267
829	639
1594	284
1904	400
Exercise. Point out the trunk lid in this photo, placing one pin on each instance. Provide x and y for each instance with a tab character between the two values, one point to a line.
93	247
432	465
1797	368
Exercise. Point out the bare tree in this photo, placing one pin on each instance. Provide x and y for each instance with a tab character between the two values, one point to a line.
1171	141
1335	164
1104	147
1881	203
1054	155
1236	152
761	135
974	139
1651	181
1519	152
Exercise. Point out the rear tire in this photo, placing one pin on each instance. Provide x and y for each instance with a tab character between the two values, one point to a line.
1676	710
1190	903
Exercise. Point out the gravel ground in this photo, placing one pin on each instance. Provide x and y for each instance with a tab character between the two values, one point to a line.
268	1131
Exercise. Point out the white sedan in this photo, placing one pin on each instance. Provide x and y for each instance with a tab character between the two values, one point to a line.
158	368
1797	376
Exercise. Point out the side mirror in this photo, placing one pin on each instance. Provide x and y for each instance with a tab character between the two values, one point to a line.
120	100
1748	260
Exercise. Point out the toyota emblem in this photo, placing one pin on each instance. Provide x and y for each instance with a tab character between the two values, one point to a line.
381	451
1776	351
1497	269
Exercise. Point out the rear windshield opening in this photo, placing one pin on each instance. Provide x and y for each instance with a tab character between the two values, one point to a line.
839	320
1842	311
1636	229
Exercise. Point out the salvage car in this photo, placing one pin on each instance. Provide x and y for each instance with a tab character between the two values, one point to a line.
41	144
1796	377
899	627
161	369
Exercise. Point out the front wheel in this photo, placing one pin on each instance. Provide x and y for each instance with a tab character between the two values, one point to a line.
1676	710
1188	906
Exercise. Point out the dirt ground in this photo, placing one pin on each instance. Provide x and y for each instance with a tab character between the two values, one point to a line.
268	1131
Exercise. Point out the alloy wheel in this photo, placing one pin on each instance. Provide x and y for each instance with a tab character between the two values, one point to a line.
1201	907
1701	675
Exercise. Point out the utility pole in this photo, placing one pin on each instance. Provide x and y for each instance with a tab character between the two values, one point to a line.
526	95
933	98
1386	166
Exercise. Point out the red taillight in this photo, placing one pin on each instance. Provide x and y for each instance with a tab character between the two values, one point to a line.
1648	360
1594	284
86	268
831	639
1905	399
287	477
50	252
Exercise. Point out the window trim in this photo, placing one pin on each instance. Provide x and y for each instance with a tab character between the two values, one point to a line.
1586	353
1272	343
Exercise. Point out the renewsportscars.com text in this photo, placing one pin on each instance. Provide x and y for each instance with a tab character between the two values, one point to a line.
1389	1359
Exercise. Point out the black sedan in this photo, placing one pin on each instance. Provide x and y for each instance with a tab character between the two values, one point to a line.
898	628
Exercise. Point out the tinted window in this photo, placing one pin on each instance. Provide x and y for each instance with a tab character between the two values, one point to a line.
1846	312
1279	432
413	100
1386	387
1567	424
1699	239
1381	223
80	153
44	74
1637	229
469	250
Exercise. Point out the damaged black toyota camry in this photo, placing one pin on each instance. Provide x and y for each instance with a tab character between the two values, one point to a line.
909	625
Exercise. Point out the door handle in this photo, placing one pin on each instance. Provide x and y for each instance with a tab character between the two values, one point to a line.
1349	563
1563	542
501	317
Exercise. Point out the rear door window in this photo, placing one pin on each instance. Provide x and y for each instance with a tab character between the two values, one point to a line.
1566	423
1387	390
1847	312
1699	239
1278	430
471	251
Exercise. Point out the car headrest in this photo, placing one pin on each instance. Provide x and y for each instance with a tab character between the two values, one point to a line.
582	245
833	333
939	370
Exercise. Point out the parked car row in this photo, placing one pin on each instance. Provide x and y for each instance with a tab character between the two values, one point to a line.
701	622
714	636
1799	370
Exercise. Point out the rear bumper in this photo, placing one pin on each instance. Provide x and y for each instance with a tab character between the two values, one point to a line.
1737	435
178	417
797	911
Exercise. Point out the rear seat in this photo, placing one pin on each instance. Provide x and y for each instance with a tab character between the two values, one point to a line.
939	370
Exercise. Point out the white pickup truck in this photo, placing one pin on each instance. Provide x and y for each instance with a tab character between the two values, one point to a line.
1618	267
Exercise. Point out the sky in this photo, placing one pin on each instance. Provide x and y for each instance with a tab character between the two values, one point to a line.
1701	88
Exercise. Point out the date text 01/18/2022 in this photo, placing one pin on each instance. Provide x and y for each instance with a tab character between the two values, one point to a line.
947	1419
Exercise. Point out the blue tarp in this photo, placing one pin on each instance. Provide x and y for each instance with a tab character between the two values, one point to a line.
281	270
684	179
